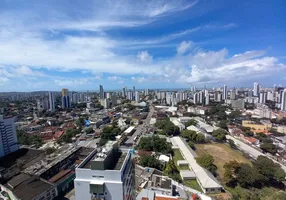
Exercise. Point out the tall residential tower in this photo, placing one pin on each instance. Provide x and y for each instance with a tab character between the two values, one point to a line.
8	136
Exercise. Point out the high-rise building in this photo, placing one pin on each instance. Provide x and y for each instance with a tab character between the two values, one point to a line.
75	98
250	93
101	92
107	173
146	91
224	92
196	98
283	101
232	94
8	136
113	99
65	92
51	101
256	89
133	92
207	99
137	96
262	97
201	97
66	103
124	92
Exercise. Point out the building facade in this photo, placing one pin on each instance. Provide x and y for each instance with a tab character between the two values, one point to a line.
66	103
107	173
51	101
8	136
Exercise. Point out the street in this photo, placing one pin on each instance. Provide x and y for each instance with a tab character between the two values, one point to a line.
142	127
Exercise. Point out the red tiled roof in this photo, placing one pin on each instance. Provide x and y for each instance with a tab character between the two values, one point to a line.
59	134
250	139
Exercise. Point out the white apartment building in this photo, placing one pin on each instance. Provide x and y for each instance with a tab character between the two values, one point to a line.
106	174
283	101
8	136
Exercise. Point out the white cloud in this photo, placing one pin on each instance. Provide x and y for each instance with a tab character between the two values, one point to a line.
71	82
144	56
117	79
26	71
139	79
184	46
214	67
3	80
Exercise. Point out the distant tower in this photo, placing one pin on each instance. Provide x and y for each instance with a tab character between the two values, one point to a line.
124	92
137	96
66	103
224	92
283	101
256	89
51	101
101	92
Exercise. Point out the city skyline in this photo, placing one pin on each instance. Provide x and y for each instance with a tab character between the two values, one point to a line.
169	44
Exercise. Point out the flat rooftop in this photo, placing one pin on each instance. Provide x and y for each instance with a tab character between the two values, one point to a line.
27	187
109	157
24	156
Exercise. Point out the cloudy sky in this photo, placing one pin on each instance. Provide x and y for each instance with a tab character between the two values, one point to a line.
48	45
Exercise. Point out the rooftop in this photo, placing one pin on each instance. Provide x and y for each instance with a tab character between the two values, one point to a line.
46	163
27	187
109	157
24	156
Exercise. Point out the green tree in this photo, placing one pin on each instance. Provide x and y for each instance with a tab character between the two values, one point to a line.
191	144
155	143
172	171
191	122
223	124
231	168
270	170
219	134
188	134
269	147
150	161
205	160
247	176
232	144
200	138
80	122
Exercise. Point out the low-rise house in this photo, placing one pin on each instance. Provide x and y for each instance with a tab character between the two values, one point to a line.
251	140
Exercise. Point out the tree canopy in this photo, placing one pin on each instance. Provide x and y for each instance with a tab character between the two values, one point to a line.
172	171
206	161
191	122
264	172
193	136
219	134
26	139
167	127
150	161
155	143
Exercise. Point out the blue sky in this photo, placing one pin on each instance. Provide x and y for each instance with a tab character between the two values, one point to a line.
48	45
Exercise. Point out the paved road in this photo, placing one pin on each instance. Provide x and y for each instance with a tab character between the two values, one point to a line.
142	127
252	151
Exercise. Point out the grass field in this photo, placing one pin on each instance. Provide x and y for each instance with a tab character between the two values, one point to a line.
190	183
183	167
222	154
193	184
177	156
